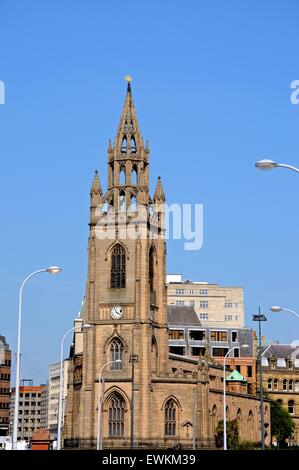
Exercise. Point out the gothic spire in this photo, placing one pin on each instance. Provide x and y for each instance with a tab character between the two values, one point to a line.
96	191
128	135
159	196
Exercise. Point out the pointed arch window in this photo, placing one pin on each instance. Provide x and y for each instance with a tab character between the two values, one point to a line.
122	176
134	176
122	201
118	267
170	418
131	126
116	354
116	418
123	148
133	144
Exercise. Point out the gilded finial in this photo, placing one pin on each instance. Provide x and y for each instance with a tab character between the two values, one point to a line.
128	79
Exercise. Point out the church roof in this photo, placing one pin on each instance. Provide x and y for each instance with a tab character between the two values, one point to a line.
235	376
282	351
182	315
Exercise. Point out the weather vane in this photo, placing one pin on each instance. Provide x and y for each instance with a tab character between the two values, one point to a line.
128	78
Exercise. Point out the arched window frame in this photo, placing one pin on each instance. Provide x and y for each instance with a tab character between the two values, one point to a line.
116	351
116	416
118	267
170	417
285	385
291	407
270	384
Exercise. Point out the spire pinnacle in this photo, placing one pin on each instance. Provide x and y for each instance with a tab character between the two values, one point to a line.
159	195
96	191
128	134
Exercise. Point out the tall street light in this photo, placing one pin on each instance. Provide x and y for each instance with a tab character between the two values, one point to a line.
100	403
270	164
260	317
244	346
85	326
51	270
277	309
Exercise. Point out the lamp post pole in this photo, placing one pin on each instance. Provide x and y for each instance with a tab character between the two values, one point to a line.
133	359
51	270
243	346
224	400
61	382
260	317
100	402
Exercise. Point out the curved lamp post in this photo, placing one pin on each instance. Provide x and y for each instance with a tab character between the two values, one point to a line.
270	164
277	309
244	346
85	326
51	270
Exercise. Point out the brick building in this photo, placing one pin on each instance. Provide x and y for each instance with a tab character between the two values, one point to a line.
5	370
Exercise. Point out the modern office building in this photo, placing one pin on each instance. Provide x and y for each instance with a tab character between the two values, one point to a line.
53	395
29	409
5	369
189	337
214	305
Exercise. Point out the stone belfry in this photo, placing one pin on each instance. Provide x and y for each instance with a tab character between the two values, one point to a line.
125	299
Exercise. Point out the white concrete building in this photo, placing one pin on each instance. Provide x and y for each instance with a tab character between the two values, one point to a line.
215	305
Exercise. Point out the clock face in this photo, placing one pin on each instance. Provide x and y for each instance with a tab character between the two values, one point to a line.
116	312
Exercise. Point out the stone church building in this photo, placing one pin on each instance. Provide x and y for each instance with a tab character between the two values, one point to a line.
149	397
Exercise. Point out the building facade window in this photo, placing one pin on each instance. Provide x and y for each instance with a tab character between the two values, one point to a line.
285	385
179	350
270	384
116	418
234	336
197	335
228	317
192	303
180	303
179	291
275	384
291	385
228	305
291	407
219	352
204	304
116	353
203	292
218	335
118	267
170	418
176	334
203	316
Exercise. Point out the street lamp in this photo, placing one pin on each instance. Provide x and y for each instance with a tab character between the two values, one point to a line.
261	317
244	346
85	326
100	402
133	360
277	309
270	164
51	270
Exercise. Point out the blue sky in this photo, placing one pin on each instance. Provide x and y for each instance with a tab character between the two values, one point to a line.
212	92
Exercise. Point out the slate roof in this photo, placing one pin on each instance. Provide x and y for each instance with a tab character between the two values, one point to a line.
281	351
182	315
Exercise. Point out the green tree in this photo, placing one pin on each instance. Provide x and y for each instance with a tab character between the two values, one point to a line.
232	434
282	425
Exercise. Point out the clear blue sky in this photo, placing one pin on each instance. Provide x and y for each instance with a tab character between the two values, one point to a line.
212	92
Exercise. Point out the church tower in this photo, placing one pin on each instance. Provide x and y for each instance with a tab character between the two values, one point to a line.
125	299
